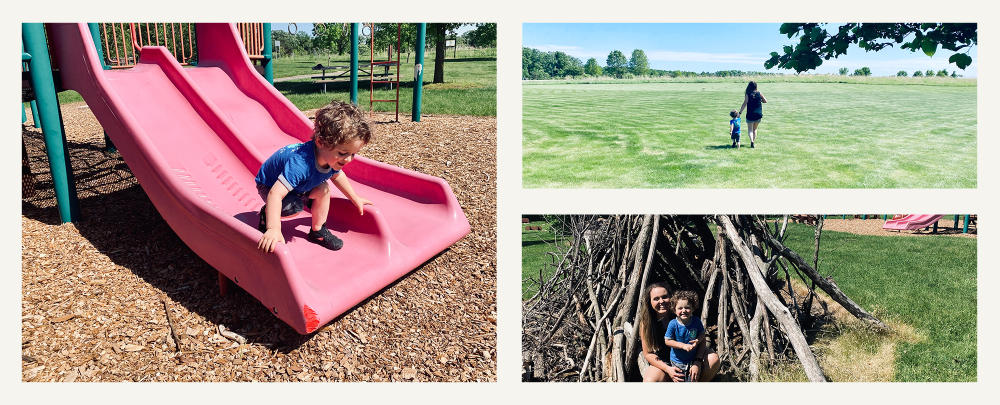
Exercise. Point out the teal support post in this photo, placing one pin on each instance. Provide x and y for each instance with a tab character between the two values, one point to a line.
24	116
355	28
268	54
34	114
95	35
965	228
935	227
955	225
418	72
33	35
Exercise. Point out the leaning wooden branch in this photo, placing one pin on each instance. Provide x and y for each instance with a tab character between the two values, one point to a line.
825	284
774	306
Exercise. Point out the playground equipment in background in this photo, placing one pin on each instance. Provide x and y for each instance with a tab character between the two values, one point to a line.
371	69
195	136
392	81
915	222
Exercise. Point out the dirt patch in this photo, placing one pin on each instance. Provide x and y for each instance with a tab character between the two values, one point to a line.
95	294
946	226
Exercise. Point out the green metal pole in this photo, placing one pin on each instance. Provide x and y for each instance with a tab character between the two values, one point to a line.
355	28
33	35
965	228
34	114
95	35
418	72
24	116
955	225
268	54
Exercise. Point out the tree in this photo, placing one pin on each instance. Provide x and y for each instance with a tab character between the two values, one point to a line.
439	33
334	37
929	72
954	74
843	71
537	65
918	73
901	73
864	71
566	65
816	44
592	68
638	64
484	36
942	73
616	65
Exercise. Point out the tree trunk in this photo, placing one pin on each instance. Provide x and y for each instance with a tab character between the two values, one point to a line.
439	51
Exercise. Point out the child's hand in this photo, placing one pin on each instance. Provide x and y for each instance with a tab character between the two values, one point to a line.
688	347
361	202
694	371
270	240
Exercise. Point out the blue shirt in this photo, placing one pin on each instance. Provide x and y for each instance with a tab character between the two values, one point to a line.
735	122
295	167
677	332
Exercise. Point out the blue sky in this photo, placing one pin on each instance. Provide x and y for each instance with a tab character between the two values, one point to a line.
710	47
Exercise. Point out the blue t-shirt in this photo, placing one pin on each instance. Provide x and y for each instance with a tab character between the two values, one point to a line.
735	122
295	167
677	332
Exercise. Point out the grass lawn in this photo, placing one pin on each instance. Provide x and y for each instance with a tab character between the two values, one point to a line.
670	134
928	283
535	246
470	86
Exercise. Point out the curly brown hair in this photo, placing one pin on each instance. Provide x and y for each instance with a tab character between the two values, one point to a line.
690	296
339	122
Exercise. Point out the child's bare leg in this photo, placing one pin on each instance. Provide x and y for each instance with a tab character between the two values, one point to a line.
320	206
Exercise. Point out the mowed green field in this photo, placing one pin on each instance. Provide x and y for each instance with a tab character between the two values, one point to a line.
813	135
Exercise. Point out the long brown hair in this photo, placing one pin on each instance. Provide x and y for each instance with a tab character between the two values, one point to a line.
751	87
650	330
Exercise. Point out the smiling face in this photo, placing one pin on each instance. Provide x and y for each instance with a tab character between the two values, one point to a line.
683	310
338	156
659	300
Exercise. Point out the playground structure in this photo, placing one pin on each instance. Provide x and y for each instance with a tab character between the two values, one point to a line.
196	164
916	222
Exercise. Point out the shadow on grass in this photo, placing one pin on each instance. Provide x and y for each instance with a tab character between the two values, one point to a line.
482	59
310	87
717	147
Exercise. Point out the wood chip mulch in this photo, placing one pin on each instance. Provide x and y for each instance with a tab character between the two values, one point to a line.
874	227
117	296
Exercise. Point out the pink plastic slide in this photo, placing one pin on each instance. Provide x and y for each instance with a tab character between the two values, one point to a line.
911	222
194	137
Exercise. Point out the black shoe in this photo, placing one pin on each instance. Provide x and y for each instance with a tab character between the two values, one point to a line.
734	144
751	144
262	225
325	238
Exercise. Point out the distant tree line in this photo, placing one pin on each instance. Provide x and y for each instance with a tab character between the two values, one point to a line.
539	65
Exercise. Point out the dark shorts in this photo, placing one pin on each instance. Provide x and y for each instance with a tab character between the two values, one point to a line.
292	204
685	368
735	136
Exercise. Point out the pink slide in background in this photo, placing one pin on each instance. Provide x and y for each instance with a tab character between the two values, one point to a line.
194	137
911	222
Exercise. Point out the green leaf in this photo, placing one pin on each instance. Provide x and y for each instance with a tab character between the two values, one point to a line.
961	60
787	49
929	46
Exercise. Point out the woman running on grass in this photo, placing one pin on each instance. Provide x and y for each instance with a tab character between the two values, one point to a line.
752	101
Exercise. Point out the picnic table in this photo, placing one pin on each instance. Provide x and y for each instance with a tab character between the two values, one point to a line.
344	71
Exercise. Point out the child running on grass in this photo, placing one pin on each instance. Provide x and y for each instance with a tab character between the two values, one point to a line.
734	128
300	171
685	333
